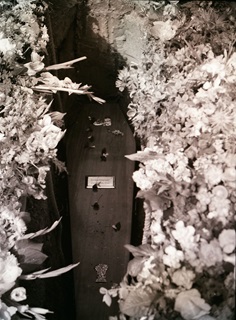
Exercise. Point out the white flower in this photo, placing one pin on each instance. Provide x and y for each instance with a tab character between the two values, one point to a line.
190	305
2	97
52	138
213	175
45	121
220	192
42	174
6	46
215	66
172	257
158	238
229	258
48	79
57	117
157	234
141	180
162	166
232	60
131	112
18	294
46	139
107	295
23	157
227	240
9	271
147	268
219	209
229	174
2	137
184	235
163	30
38	313
6	312
183	278
35	65
203	196
13	227
210	253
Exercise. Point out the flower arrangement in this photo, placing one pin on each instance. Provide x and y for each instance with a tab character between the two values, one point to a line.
183	110
29	134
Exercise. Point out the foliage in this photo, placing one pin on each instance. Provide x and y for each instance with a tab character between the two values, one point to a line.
29	134
183	110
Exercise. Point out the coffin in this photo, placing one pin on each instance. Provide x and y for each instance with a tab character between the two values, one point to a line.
101	203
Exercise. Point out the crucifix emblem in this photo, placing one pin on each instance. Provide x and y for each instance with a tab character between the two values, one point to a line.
101	272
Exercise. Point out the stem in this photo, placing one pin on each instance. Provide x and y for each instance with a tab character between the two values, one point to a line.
42	88
65	65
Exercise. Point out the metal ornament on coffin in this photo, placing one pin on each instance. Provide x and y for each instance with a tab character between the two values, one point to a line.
101	272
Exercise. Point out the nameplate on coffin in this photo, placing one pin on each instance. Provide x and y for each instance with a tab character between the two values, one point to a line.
101	182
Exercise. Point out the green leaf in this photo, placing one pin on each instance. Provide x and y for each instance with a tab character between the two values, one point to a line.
137	303
42	231
135	266
107	299
30	252
144	250
146	155
49	274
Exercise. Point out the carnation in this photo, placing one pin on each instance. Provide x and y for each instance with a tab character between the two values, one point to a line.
172	257
184	235
210	253
213	175
227	240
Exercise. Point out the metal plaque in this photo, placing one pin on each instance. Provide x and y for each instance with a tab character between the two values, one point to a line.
101	182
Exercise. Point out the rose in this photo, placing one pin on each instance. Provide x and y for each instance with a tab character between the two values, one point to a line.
210	253
18	294
190	305
220	192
